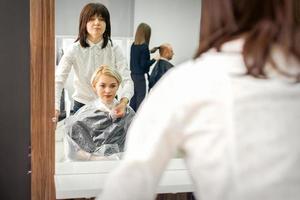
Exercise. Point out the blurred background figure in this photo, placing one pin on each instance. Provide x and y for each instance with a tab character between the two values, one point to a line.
162	65
140	63
233	111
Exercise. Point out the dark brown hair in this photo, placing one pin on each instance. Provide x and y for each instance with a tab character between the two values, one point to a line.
143	34
86	14
264	23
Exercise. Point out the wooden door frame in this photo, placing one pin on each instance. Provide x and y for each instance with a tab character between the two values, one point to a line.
42	67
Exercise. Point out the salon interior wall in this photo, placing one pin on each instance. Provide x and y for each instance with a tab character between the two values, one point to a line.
67	16
173	21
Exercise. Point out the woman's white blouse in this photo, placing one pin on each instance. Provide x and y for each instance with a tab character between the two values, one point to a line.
240	135
84	62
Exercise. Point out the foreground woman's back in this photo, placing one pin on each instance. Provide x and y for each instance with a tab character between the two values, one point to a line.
239	134
233	111
265	126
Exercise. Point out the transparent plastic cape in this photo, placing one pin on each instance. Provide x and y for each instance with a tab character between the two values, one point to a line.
93	133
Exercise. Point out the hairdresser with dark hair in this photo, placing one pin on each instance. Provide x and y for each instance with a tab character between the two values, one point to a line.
92	48
234	110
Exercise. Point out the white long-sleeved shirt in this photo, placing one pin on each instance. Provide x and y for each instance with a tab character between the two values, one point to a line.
84	62
240	134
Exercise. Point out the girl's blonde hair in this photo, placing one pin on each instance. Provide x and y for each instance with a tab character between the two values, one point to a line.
105	70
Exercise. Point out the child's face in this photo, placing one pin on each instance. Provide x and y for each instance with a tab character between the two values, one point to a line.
106	88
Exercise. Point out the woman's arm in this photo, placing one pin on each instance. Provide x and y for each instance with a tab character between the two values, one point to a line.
145	59
61	74
127	83
151	142
185	111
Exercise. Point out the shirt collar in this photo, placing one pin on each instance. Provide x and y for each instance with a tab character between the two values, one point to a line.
162	58
278	57
92	45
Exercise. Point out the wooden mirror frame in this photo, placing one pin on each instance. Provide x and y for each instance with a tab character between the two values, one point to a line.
42	68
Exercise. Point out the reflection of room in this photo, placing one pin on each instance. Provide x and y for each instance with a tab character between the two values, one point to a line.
176	22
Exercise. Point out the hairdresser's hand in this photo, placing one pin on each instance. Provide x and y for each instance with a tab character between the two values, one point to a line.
55	118
120	109
153	49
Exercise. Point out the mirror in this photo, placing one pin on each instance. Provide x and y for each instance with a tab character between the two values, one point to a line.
174	21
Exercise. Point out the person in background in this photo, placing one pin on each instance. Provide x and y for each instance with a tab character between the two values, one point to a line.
140	63
94	132
92	48
162	65
233	111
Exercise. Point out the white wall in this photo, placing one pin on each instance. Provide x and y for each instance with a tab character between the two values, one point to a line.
67	16
174	21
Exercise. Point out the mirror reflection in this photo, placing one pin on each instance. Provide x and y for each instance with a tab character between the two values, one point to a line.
171	23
